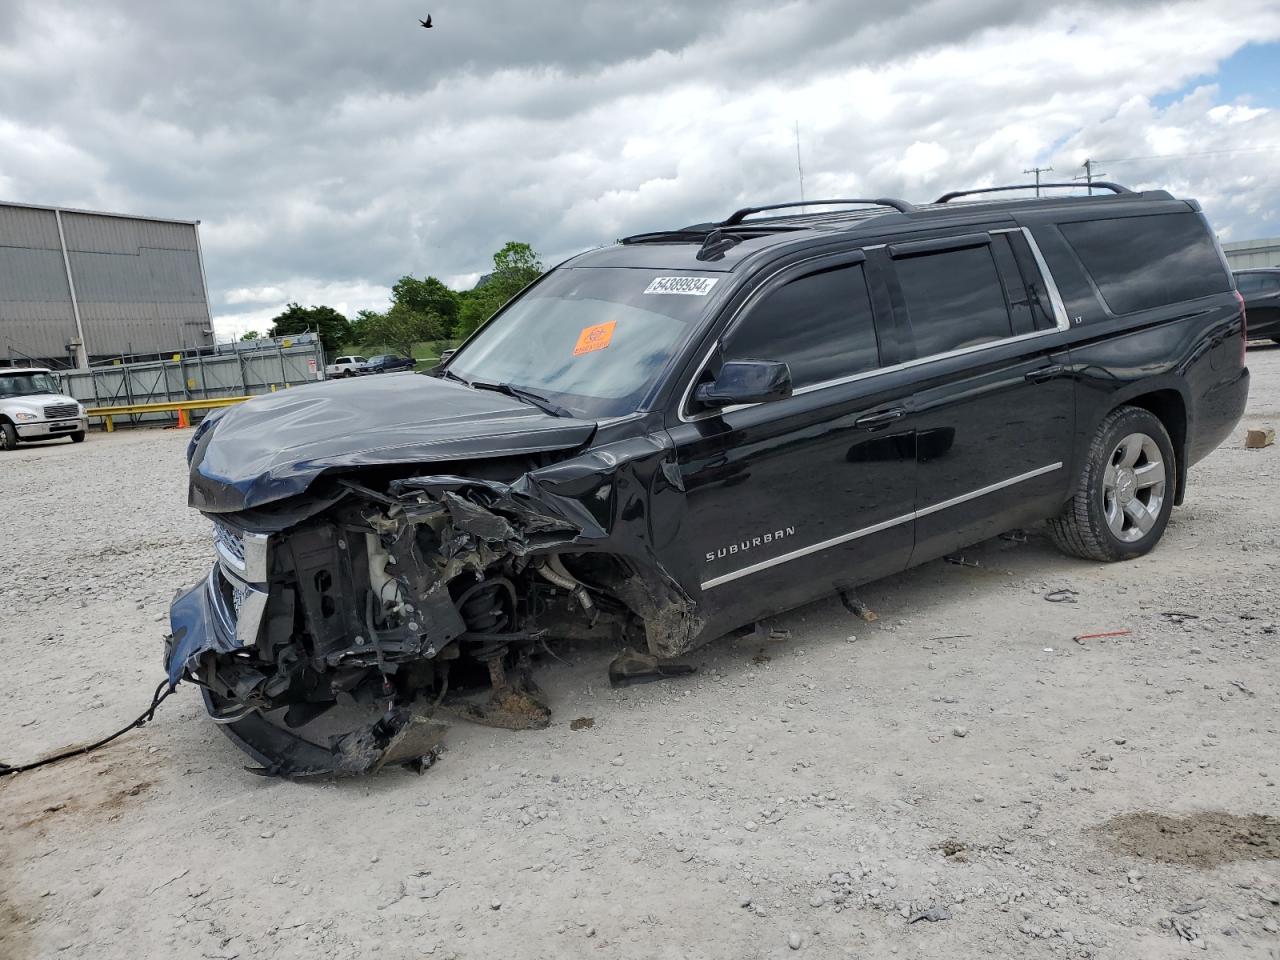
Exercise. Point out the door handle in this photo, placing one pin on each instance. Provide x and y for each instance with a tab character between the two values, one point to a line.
881	418
1045	374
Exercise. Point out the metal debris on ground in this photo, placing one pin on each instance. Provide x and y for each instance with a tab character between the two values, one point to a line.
582	723
1258	438
630	666
1015	536
959	560
1242	688
856	606
933	915
1101	636
1066	595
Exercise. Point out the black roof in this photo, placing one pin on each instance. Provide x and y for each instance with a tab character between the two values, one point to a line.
721	245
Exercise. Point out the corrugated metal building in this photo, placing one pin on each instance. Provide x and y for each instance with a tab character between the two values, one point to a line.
1253	253
119	284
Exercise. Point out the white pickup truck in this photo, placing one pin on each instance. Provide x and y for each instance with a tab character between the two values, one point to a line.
345	367
33	407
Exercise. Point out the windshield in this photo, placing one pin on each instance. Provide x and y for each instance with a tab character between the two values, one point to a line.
26	384
592	339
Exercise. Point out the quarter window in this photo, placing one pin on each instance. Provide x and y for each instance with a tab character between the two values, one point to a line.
1148	261
954	299
820	324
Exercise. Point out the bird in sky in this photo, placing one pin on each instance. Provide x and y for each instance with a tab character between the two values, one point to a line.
427	22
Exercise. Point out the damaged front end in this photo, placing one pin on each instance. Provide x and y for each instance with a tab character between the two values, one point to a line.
342	633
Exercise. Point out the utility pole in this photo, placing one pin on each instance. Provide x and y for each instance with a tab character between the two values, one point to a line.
1089	174
1037	171
799	167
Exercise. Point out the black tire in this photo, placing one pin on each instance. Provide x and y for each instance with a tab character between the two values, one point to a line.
77	437
1083	529
8	436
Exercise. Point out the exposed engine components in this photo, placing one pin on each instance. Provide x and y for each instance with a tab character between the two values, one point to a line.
552	569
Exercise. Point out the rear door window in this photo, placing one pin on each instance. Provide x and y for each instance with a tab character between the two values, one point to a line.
955	299
1148	261
819	323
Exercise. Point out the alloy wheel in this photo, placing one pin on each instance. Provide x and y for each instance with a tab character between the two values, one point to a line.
1133	487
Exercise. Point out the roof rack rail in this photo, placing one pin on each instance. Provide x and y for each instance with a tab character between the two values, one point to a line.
902	206
1103	184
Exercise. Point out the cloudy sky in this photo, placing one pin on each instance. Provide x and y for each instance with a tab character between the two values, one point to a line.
331	147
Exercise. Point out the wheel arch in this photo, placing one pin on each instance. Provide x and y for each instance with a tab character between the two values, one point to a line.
1169	406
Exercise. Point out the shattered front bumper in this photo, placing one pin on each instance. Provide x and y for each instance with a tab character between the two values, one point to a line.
221	614
203	620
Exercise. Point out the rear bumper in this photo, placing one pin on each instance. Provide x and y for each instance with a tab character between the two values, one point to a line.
52	428
1216	415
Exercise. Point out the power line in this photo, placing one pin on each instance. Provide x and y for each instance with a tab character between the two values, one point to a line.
1089	174
1205	153
1037	171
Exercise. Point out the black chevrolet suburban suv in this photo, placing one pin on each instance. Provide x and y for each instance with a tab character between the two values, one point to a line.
689	430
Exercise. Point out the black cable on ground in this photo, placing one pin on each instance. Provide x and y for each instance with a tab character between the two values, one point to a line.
157	698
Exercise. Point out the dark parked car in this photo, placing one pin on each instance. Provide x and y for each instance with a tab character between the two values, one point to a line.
387	362
1261	292
692	429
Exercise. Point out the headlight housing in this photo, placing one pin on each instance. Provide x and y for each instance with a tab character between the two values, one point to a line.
25	417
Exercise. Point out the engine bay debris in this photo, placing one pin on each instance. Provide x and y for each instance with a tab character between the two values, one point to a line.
341	630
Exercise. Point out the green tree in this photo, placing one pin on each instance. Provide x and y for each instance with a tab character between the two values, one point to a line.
332	327
428	296
250	335
360	324
515	266
400	328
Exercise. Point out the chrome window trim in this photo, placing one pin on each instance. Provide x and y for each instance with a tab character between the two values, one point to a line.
878	527
1055	299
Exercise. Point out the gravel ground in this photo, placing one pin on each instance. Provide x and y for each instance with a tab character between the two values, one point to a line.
958	778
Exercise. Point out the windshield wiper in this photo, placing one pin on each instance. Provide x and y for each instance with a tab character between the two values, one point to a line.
453	376
528	396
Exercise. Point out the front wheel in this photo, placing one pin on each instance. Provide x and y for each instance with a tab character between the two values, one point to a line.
1125	492
8	436
77	436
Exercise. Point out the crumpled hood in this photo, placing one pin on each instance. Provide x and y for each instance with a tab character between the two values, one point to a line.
274	446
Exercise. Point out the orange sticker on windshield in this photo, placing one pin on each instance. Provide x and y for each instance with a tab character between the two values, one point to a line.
594	338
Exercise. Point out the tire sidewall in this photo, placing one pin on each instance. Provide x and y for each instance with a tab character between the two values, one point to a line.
1131	420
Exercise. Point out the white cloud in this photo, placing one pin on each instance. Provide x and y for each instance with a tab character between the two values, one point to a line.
329	149
347	297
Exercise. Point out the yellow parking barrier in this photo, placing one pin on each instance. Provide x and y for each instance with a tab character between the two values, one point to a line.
182	408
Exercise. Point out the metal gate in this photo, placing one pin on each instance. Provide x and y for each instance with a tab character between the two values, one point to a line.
238	374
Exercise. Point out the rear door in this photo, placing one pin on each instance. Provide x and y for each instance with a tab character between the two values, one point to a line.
992	406
788	499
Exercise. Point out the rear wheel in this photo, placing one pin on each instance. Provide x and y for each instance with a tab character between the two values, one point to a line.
1125	492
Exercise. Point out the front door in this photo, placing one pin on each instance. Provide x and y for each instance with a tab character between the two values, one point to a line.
789	499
